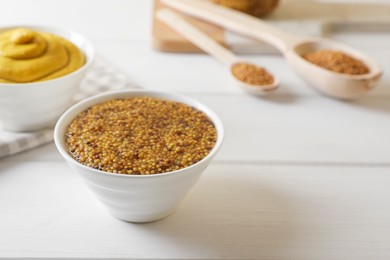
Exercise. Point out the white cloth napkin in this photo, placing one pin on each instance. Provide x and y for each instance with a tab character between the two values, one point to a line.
101	77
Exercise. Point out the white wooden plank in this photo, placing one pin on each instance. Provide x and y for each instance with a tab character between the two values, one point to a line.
200	73
291	130
234	212
303	129
191	72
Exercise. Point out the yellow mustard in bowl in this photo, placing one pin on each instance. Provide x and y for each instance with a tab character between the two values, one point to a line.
31	56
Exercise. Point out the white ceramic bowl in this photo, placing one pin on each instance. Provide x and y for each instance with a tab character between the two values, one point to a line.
137	198
33	106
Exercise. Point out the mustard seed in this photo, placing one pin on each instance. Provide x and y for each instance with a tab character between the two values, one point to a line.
252	74
336	61
140	135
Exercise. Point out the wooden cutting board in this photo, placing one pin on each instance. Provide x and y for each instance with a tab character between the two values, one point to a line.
165	39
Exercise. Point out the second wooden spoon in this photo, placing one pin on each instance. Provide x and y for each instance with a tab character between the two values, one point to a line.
210	46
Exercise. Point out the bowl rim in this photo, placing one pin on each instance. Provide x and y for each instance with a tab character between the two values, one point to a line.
115	94
51	29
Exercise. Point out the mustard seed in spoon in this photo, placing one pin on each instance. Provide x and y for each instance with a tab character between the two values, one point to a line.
252	74
337	61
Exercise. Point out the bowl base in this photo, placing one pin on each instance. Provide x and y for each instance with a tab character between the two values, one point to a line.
139	219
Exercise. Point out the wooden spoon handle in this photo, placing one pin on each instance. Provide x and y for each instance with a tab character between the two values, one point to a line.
235	21
196	36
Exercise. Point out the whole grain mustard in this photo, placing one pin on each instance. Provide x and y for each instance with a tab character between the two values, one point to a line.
252	74
140	136
31	56
337	61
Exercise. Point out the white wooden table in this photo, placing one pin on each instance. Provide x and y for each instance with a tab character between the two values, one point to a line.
300	176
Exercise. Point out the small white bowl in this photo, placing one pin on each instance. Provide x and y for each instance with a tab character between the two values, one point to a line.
137	198
33	106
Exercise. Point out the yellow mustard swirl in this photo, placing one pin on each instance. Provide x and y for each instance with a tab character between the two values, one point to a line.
30	56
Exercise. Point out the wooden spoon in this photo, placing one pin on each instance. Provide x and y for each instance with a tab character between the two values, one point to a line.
210	46
337	85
